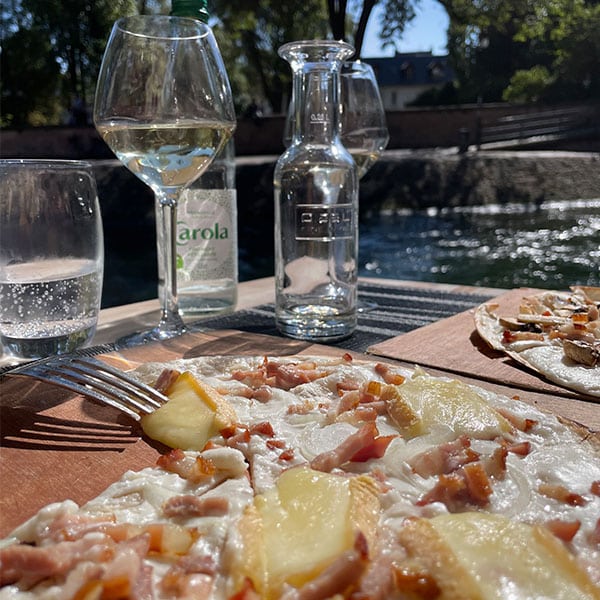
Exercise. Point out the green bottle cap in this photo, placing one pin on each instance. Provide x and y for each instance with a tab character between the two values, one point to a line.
190	8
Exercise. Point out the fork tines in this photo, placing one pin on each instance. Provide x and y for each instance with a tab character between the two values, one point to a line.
95	379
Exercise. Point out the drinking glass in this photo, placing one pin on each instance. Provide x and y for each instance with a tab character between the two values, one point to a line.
51	257
363	125
164	106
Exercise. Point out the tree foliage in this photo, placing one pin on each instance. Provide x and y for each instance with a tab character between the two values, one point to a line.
249	32
63	45
511	49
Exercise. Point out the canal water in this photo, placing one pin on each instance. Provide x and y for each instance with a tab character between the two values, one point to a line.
551	245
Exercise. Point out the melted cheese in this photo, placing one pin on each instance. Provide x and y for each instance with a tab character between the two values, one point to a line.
424	402
194	413
478	555
296	529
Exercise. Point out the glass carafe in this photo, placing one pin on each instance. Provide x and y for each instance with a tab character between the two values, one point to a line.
316	203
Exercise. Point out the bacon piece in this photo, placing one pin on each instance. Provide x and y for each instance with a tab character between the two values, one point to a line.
291	375
445	458
563	530
377	583
360	415
253	379
166	379
72	526
348	401
247	592
495	465
327	461
508	337
262	428
188	505
415	582
287	455
388	374
595	488
263	393
562	494
521	423
519	448
190	577
300	409
376	449
194	469
468	485
31	564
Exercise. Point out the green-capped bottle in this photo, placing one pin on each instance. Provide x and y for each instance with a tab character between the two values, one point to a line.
196	9
207	248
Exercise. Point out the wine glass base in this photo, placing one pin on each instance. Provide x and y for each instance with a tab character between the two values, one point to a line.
362	306
151	336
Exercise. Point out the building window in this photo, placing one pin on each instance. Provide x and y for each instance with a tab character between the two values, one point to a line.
407	70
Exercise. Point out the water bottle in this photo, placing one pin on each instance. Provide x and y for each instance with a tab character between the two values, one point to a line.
207	245
316	203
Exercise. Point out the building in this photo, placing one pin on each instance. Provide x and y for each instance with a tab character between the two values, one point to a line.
404	77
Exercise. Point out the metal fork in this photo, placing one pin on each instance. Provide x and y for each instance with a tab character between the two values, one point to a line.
97	380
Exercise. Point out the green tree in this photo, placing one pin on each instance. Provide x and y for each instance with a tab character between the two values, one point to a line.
349	22
63	41
513	49
249	32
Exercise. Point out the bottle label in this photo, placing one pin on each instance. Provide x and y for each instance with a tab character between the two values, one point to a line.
207	235
322	222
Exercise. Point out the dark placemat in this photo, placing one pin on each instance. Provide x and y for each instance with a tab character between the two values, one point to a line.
397	311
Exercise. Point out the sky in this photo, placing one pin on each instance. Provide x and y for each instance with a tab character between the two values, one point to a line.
427	31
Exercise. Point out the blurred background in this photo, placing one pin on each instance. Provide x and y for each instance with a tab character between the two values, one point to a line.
492	173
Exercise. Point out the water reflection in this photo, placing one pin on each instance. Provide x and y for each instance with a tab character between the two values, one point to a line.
551	245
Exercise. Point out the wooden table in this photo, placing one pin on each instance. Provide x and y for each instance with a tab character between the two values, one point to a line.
56	445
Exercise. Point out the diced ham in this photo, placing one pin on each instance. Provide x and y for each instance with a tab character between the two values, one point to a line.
563	530
519	448
376	449
247	591
188	505
416	583
518	422
327	461
194	469
166	379
562	494
191	577
31	564
495	465
445	458
378	583
467	486
388	374
290	375
262	428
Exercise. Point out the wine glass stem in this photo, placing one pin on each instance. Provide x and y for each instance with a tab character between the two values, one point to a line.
170	320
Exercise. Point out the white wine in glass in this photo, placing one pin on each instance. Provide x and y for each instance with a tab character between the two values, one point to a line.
164	107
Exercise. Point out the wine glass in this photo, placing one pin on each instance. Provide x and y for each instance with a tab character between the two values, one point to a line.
363	127
164	106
